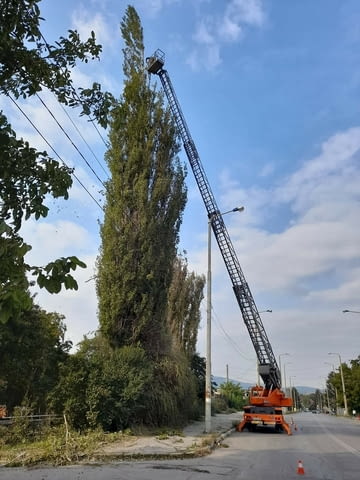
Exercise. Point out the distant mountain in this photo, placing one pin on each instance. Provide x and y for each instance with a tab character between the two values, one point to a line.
302	390
306	390
220	380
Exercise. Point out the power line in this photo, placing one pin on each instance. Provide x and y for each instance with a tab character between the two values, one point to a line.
81	135
76	95
70	140
53	149
230	340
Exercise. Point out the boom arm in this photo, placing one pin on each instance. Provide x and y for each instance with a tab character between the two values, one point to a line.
268	368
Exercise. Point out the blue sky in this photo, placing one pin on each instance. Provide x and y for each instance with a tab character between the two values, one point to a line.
270	91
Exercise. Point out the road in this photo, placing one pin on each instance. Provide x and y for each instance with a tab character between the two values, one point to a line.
329	448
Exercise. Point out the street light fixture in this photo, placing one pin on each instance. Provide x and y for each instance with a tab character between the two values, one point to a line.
350	311
212	217
342	383
263	311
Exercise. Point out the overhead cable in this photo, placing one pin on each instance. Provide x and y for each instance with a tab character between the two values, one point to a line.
70	140
81	135
53	149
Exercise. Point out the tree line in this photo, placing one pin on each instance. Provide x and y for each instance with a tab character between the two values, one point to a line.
331	399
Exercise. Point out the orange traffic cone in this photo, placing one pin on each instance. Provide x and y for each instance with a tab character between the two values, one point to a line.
300	470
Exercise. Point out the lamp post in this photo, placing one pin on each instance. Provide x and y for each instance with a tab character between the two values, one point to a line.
208	322
343	384
336	394
281	355
350	311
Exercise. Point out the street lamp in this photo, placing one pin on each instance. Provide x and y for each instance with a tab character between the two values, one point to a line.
343	383
281	355
263	311
212	217
336	394
350	311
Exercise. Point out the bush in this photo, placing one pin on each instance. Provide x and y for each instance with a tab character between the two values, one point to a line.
103	387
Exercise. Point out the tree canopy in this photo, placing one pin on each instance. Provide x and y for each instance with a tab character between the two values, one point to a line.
145	199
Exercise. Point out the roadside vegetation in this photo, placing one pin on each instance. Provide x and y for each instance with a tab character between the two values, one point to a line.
230	398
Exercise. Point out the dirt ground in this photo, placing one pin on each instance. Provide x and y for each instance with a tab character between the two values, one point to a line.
192	441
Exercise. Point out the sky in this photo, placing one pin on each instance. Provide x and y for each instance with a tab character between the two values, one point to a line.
270	92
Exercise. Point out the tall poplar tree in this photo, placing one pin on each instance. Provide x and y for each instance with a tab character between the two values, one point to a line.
145	199
184	299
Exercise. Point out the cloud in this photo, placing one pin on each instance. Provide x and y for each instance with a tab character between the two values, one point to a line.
237	14
54	239
78	306
336	163
65	238
85	21
213	31
267	170
153	8
314	250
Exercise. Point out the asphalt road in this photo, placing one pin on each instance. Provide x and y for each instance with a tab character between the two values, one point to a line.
329	448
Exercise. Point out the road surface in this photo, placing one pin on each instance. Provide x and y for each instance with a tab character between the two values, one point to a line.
329	448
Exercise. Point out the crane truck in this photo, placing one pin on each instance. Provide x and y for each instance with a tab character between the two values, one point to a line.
265	402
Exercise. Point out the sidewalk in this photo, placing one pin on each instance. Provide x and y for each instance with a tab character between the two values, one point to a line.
193	441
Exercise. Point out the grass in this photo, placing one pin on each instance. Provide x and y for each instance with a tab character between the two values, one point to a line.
58	447
166	434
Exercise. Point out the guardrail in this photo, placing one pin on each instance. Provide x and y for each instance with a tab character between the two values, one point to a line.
31	418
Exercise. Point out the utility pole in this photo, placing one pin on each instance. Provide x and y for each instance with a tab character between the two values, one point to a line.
346	411
208	322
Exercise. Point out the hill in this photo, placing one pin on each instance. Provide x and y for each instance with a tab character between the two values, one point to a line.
303	390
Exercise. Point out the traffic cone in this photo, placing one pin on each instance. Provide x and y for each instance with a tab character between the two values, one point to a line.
300	469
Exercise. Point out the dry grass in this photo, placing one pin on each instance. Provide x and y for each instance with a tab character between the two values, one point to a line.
59	447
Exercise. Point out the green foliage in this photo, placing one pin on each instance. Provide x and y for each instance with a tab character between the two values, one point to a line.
103	387
233	395
183	311
22	428
198	368
28	63
27	177
172	396
116	393
145	200
32	348
352	385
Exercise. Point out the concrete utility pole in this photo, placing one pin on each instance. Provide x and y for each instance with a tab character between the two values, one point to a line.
281	355
208	323
346	411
